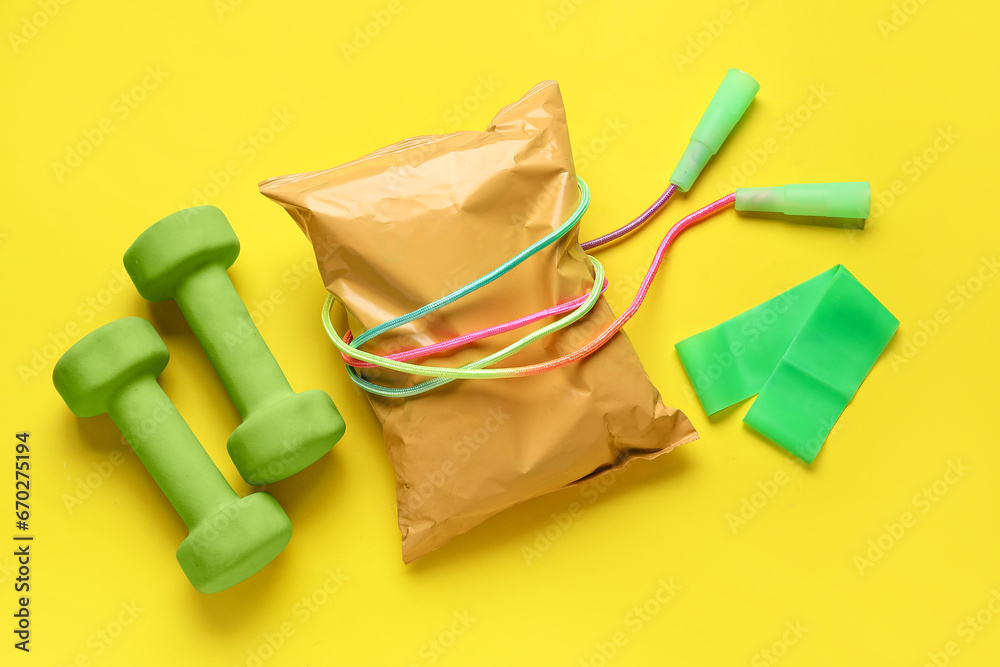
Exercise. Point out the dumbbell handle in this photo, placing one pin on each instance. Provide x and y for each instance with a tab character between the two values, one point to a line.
231	340
170	451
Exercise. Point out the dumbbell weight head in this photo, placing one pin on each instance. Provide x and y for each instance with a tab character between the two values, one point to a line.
285	437
234	543
171	249
108	359
113	369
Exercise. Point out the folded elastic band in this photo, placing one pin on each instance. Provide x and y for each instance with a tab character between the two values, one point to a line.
805	352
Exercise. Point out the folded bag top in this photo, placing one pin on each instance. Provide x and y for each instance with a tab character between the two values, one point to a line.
410	223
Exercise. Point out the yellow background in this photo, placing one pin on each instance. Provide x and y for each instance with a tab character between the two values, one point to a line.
892	79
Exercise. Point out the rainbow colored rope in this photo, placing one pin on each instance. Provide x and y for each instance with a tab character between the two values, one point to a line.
465	339
470	371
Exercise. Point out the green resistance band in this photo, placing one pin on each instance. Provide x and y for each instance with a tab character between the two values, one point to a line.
805	352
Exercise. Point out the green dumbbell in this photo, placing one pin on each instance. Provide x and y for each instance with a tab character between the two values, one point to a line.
113	369
184	257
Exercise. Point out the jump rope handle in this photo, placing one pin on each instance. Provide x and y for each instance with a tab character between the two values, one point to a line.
725	110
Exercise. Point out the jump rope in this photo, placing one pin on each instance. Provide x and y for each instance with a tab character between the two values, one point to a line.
733	97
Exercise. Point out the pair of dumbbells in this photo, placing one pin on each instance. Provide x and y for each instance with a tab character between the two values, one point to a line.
113	370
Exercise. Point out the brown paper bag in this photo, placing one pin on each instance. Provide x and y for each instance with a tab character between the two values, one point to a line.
412	222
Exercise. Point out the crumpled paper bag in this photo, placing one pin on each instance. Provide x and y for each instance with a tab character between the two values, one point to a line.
414	221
